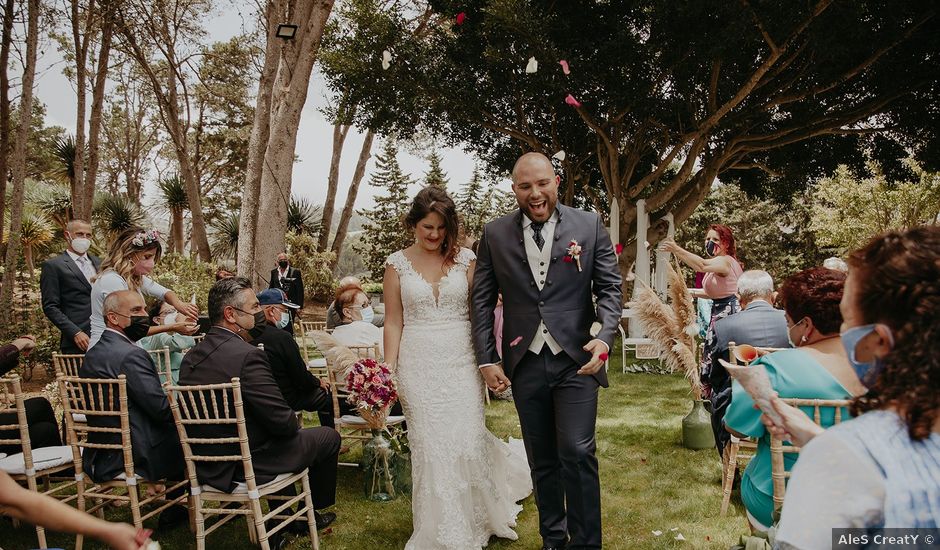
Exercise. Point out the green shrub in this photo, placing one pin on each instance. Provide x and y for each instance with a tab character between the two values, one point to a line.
372	288
186	276
319	284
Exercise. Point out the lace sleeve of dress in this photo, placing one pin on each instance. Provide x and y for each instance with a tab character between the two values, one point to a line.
465	256
398	261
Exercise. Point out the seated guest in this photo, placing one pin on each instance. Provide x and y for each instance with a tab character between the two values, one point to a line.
278	444
301	389
880	469
817	369
356	326
43	430
333	318
757	324
163	313
156	448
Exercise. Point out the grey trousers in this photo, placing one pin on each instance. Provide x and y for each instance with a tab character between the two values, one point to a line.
558	412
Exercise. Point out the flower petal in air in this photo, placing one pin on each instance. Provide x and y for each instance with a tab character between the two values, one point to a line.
560	155
461	17
564	66
532	66
570	100
386	59
618	248
515	341
567	259
603	356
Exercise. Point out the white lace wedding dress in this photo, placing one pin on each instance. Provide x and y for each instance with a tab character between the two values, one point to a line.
466	480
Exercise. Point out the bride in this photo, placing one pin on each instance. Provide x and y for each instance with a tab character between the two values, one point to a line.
466	480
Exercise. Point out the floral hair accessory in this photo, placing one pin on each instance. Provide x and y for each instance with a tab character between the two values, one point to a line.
145	238
574	254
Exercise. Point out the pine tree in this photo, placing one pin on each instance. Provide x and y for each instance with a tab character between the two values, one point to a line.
384	231
436	175
470	203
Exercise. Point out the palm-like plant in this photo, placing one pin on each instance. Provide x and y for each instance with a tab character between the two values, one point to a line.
115	213
36	233
225	236
52	199
63	151
176	201
304	217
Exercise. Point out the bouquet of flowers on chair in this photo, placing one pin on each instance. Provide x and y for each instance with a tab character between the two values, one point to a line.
372	391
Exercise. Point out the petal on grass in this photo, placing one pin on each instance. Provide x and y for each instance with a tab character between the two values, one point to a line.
532	66
564	66
570	100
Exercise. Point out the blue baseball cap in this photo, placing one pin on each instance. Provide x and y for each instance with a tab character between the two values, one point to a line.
275	296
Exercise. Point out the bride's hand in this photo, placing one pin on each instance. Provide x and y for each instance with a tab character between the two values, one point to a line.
495	378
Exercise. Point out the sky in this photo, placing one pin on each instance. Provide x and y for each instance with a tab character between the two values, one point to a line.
314	137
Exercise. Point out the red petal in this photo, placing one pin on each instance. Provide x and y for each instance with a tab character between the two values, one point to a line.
461	17
603	356
567	259
619	249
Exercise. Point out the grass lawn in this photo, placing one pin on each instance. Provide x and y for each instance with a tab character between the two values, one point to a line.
649	482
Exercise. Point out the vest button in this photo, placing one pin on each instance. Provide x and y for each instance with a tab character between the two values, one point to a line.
541	303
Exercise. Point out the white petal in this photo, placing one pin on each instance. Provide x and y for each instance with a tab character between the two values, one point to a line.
386	59
680	537
657	533
532	67
560	155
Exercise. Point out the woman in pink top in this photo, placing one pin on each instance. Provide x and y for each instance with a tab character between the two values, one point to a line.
720	283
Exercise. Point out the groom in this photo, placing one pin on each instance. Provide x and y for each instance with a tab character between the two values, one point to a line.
554	365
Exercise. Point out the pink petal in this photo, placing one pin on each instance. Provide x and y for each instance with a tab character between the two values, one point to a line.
515	341
570	100
564	66
461	17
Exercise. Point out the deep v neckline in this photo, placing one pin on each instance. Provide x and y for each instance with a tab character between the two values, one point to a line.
436	286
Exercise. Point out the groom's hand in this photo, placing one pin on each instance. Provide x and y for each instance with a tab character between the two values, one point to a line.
599	352
495	378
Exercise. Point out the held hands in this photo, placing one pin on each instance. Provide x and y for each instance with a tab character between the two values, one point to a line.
81	340
797	428
495	378
599	352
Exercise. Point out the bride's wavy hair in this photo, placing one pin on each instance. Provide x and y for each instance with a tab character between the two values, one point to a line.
433	199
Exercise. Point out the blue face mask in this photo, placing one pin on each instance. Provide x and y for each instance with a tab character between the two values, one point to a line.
284	320
367	314
867	372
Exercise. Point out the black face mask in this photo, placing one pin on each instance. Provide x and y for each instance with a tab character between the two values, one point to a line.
711	247
283	264
260	321
139	327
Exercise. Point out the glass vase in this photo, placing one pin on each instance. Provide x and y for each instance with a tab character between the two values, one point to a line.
378	468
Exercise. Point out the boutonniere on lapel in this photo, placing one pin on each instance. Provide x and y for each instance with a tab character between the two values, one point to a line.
574	254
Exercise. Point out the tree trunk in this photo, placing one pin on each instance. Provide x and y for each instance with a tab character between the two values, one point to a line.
5	41
340	132
257	142
289	95
80	45
19	164
364	153
177	242
97	104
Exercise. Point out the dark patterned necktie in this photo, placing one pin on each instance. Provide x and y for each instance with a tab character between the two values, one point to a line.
537	234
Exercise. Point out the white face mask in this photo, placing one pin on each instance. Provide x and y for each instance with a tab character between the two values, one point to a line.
81	245
367	314
284	320
170	318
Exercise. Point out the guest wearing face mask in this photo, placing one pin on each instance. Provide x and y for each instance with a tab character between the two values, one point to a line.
65	286
288	279
356	316
176	341
127	266
816	369
721	269
302	390
155	444
888	456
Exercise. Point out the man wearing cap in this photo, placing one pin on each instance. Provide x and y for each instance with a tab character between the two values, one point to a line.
301	389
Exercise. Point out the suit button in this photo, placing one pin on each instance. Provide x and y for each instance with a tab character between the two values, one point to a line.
557	237
554	260
549	282
525	262
531	283
541	303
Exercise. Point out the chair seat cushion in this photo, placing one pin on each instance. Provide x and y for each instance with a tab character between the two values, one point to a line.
355	420
44	458
317	363
242	488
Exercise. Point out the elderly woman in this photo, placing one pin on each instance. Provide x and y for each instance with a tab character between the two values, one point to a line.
881	469
719	284
355	312
816	369
162	314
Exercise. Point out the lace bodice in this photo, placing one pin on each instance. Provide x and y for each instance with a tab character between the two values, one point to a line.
422	303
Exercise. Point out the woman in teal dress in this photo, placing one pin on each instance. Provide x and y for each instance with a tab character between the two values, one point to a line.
816	369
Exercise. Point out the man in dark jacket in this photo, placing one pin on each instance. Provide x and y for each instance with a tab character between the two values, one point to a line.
301	389
65	286
288	279
278	444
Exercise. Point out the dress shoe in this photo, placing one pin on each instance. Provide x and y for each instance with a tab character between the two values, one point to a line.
299	527
172	517
324	519
278	541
